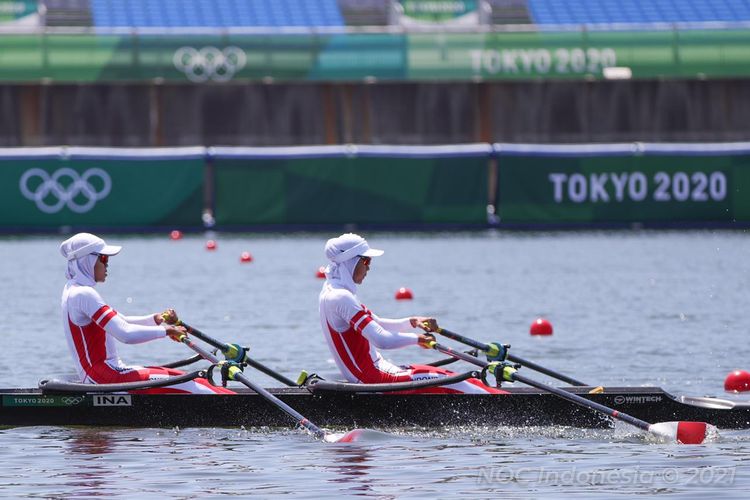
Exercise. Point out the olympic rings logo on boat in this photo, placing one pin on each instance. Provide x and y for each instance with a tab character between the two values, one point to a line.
72	400
71	193
209	63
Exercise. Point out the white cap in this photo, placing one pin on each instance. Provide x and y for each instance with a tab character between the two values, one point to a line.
84	244
347	246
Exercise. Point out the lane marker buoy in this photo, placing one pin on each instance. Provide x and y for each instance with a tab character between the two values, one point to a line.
541	326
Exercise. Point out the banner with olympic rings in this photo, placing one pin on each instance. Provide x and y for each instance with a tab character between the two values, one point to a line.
111	192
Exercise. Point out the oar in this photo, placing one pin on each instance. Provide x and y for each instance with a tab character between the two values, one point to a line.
236	353
496	350
682	432
234	373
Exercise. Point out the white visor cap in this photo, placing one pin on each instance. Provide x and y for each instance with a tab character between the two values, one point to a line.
82	244
347	246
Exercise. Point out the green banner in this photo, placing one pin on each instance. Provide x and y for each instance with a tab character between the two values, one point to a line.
14	11
48	193
601	189
312	191
230	56
444	12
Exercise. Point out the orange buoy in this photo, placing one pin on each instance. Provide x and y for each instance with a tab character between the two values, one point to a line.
210	245
404	294
737	381
246	257
321	272
176	235
541	326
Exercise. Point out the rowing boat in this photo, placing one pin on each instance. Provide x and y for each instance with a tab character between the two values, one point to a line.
521	407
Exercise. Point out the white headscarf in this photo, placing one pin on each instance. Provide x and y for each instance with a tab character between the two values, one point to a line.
344	253
81	252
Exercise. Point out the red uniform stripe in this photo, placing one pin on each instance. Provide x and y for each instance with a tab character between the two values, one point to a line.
338	342
100	312
363	324
356	318
79	342
106	319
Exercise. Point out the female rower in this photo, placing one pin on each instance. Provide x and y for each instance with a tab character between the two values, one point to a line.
91	326
353	332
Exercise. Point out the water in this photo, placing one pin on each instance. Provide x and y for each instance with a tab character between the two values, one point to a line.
629	308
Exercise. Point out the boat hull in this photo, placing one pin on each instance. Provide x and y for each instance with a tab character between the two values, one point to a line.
522	407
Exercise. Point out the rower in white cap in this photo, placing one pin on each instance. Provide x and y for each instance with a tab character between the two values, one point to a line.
353	332
91	326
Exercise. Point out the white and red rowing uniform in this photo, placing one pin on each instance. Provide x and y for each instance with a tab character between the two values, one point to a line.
354	333
92	329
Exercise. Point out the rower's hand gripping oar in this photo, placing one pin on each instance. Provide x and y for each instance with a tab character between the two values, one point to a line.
499	352
682	432
233	352
235	373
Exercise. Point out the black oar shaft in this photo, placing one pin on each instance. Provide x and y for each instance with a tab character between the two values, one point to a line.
546	371
240	377
271	373
464	340
574	398
223	347
528	364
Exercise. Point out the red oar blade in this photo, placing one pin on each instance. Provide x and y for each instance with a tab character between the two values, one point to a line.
358	436
685	432
349	437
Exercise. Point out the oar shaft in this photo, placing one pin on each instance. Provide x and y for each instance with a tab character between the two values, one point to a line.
271	373
574	398
546	371
240	377
223	347
528	364
464	340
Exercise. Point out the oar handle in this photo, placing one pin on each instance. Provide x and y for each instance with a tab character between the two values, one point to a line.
236	374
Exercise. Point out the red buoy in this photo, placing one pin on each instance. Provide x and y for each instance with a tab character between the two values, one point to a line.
210	245
541	327
404	294
176	235
321	272
246	257
737	381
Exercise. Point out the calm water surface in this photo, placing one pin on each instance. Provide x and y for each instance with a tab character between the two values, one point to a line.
647	308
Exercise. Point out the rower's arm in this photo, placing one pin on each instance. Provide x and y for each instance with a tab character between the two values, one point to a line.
384	339
393	325
364	322
147	320
94	309
129	333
